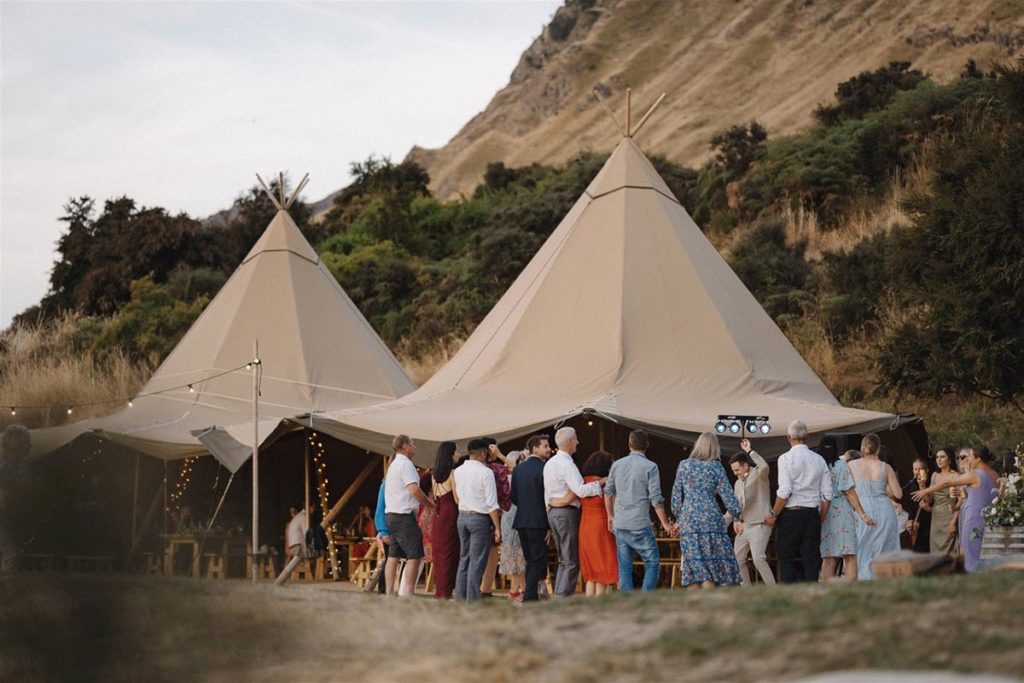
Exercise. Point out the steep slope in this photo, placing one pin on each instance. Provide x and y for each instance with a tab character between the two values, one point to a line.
721	63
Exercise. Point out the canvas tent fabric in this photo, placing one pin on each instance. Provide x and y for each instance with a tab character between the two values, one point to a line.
627	311
317	353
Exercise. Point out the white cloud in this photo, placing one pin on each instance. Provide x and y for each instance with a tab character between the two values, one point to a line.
179	104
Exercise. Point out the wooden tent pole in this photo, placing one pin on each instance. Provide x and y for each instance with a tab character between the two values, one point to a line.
305	455
609	112
147	521
135	496
349	492
629	111
255	457
270	194
648	114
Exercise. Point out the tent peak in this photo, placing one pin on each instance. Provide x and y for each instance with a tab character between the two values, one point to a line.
282	201
628	131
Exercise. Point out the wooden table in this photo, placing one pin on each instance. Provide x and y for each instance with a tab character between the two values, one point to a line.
222	544
347	542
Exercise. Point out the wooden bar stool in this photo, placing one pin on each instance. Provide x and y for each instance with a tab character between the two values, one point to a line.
153	565
215	566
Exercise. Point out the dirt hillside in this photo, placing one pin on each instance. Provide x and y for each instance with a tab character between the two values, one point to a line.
720	63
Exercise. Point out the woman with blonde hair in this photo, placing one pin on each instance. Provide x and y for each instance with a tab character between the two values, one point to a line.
707	554
877	488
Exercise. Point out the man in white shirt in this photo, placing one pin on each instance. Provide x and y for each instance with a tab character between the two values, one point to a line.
752	491
561	476
802	501
402	499
295	540
476	494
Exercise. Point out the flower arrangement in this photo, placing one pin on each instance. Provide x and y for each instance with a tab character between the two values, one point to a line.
1007	508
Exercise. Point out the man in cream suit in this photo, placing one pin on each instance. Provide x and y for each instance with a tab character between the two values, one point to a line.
753	493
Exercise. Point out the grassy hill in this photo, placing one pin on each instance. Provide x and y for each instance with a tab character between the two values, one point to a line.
721	63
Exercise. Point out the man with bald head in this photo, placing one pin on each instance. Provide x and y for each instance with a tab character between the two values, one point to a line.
561	476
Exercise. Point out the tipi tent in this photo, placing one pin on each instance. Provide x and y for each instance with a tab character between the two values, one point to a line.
627	312
317	353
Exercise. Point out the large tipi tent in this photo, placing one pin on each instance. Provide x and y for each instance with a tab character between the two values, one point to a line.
317	353
627	312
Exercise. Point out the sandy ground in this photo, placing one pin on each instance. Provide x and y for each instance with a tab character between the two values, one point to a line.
76	627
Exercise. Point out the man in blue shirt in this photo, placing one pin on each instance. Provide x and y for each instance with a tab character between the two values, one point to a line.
634	486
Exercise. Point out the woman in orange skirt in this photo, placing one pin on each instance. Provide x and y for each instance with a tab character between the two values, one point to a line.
599	562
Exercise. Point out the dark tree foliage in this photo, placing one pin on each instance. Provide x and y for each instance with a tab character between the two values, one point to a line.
849	286
960	271
774	272
738	147
98	259
869	91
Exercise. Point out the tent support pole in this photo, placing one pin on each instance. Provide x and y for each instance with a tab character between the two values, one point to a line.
216	511
305	433
600	435
135	497
349	492
255	458
147	521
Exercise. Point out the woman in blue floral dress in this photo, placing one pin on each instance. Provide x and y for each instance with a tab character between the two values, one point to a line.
839	528
707	555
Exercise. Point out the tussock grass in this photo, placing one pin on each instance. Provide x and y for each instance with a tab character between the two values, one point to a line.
51	364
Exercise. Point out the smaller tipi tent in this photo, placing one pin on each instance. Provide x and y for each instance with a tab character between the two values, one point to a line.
317	353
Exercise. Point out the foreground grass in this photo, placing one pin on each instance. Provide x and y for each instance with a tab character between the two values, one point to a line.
126	628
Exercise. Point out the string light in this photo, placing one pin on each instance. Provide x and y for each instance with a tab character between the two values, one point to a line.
69	409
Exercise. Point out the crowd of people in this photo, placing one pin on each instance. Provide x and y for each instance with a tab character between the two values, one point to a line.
488	513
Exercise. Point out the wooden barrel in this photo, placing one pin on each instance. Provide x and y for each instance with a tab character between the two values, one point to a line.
999	541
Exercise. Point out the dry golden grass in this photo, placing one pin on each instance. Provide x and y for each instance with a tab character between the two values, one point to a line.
41	366
421	366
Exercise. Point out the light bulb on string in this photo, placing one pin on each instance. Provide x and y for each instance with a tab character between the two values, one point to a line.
69	411
14	411
191	389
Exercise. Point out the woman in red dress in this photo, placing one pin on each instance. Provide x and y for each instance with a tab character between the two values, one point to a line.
444	532
599	562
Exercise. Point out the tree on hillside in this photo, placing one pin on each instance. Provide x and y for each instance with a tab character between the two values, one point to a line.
99	258
961	327
869	91
737	148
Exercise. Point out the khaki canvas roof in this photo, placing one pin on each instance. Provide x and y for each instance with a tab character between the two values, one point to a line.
317	353
627	311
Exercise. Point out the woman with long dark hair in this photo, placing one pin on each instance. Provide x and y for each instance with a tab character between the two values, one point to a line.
444	532
942	538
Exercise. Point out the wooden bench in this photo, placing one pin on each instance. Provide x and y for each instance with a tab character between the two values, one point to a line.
90	563
41	562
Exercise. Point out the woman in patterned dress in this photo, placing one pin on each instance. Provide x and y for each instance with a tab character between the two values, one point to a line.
839	528
512	563
707	555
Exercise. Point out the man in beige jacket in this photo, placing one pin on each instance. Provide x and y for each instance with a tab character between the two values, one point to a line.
753	493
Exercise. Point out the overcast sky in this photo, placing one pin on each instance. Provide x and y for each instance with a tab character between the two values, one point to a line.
178	104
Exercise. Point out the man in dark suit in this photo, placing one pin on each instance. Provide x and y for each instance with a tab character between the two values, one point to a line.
531	520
